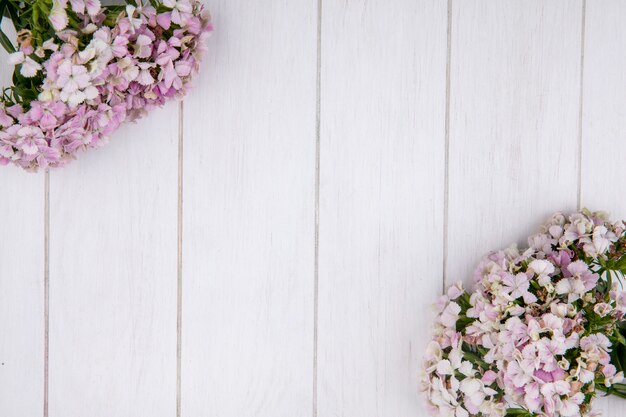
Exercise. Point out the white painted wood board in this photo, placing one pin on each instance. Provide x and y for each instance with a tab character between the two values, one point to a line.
381	201
249	215
21	293
604	107
21	285
113	279
514	116
278	320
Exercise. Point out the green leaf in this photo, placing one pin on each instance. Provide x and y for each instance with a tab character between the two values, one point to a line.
618	358
610	391
464	301
4	40
475	359
620	337
619	387
519	412
35	17
6	43
463	322
620	265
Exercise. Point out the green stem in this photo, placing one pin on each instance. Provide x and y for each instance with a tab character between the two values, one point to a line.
610	391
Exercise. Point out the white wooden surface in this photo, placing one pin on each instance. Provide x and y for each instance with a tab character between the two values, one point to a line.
381	201
514	111
271	247
22	270
113	263
248	213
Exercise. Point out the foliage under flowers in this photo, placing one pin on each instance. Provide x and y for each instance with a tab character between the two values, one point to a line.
82	69
543	331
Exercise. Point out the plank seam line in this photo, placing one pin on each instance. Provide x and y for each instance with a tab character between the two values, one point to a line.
446	180
179	264
318	124
580	109
46	285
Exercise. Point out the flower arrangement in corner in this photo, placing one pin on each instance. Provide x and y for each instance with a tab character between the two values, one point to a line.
81	69
543	332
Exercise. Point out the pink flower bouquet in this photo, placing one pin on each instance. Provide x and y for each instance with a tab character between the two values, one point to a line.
543	332
81	69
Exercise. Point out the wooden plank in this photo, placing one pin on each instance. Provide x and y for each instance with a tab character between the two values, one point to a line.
514	112
604	110
113	275
381	201
21	292
249	190
21	283
604	121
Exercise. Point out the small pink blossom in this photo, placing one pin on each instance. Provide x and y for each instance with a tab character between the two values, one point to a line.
181	10
143	46
92	7
450	315
30	138
29	67
58	16
517	286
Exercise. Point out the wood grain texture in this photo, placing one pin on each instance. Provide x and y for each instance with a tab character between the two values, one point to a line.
113	275
604	122
249	207
604	107
514	112
249	198
21	293
381	202
21	283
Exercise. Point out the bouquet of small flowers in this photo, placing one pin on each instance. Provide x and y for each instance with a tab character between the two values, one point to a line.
542	333
81	69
